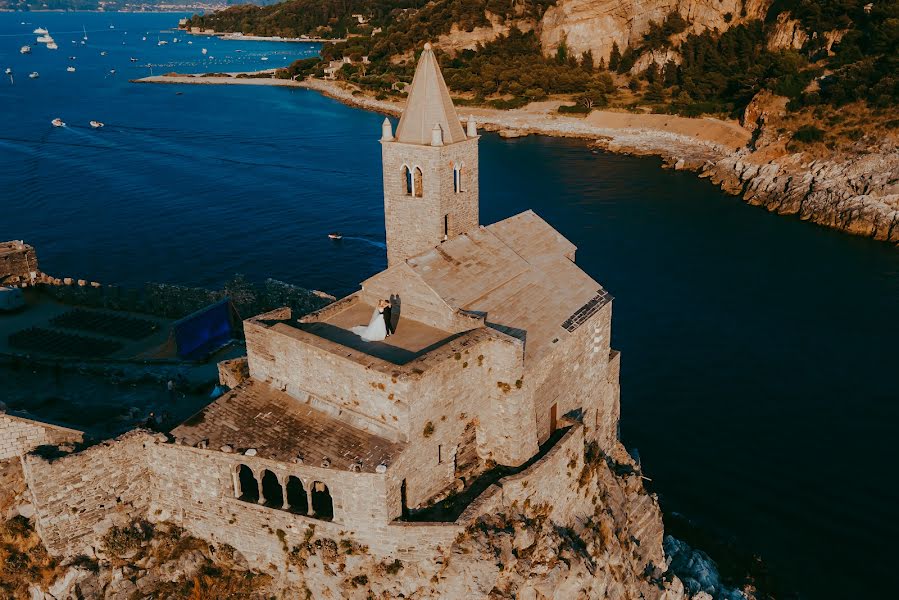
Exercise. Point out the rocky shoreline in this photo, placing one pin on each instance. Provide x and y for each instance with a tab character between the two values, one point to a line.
855	192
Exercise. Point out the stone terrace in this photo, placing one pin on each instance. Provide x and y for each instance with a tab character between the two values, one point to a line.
411	340
279	427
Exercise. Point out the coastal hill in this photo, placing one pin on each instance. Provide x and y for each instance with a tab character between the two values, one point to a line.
814	83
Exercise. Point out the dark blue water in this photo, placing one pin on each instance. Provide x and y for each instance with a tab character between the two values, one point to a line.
759	360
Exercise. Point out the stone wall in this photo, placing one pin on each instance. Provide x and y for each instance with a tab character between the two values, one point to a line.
17	262
195	489
19	436
79	496
416	224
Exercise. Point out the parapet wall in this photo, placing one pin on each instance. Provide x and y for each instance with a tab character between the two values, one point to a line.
19	436
78	496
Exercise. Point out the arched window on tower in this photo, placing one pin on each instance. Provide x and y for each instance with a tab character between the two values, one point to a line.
456	186
461	179
322	505
407	181
271	490
296	496
417	184
249	488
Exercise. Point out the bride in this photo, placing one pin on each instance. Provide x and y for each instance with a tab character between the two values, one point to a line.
376	330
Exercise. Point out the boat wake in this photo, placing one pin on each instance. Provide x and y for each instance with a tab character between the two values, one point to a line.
374	243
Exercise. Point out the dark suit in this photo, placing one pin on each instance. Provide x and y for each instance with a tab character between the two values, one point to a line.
388	320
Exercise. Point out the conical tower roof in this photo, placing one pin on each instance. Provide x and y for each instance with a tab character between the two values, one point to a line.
428	104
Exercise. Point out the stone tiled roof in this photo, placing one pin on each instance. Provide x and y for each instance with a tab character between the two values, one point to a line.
428	104
279	427
520	273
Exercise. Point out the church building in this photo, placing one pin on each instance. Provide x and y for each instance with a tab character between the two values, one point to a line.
501	347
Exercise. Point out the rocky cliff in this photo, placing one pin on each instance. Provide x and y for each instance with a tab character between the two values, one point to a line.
597	24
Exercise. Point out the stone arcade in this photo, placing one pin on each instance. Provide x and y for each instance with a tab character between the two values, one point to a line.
501	358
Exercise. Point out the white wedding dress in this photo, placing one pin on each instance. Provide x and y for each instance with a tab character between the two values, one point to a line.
375	331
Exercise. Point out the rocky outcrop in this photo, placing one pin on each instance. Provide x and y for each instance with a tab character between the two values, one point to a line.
858	193
597	24
458	39
787	33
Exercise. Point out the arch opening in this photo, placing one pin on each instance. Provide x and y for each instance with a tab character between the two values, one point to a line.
417	183
296	496
249	488
322	504
271	490
407	181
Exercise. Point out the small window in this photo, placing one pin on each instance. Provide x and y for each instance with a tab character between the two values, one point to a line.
407	181
439	454
417	183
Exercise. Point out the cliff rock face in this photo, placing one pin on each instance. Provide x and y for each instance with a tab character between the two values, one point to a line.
597	24
787	33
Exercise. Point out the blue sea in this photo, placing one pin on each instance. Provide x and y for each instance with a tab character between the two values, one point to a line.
759	352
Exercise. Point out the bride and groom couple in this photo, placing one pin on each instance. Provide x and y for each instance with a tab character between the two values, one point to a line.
381	325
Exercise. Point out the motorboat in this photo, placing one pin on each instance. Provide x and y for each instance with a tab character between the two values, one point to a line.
112	71
70	69
103	53
161	43
44	39
204	50
8	71
189	42
143	39
72	57
34	75
112	26
25	50
96	124
57	122
335	236
264	58
133	59
39	31
52	46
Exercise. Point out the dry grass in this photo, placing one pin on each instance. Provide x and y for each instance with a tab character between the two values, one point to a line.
23	560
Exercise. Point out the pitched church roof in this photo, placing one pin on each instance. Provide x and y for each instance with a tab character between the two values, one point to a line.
428	104
520	273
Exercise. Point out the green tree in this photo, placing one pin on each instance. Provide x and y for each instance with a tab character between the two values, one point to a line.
614	57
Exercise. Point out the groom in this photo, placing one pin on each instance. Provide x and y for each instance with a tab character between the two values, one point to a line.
388	317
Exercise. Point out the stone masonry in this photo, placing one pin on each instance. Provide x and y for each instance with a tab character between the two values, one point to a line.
500	363
18	263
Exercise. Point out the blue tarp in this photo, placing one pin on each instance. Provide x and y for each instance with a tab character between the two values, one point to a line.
200	334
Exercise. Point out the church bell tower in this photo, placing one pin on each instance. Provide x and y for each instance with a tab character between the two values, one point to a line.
430	168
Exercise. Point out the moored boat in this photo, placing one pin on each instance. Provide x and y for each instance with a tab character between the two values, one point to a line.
34	75
44	39
39	31
25	50
70	69
52	46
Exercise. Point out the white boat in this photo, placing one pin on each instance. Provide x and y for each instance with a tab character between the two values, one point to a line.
112	26
8	71
205	50
264	58
133	59
174	40
161	43
85	33
143	39
39	31
189	42
103	53
70	69
25	50
112	71
57	122
96	124
52	46
44	39
34	75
